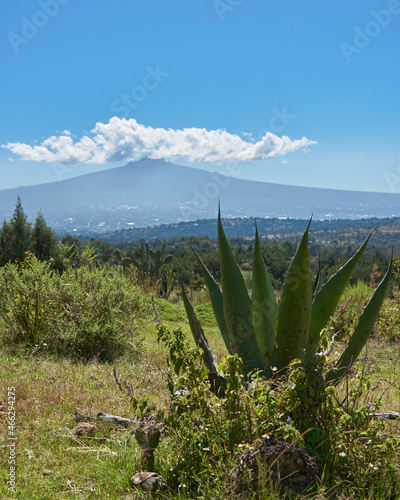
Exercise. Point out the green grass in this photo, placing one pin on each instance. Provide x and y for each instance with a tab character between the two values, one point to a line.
50	390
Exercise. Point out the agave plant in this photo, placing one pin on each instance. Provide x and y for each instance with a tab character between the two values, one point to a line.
269	336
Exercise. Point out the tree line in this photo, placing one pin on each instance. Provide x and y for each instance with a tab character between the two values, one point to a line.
18	236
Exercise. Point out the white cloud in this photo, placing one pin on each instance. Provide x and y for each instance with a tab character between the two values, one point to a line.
122	139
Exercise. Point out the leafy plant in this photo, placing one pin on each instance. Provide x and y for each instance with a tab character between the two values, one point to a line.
125	262
150	265
86	312
208	434
270	337
149	262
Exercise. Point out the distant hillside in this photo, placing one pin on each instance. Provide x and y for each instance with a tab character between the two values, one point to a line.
151	192
386	231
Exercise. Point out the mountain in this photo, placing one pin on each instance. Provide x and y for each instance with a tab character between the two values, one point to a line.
150	192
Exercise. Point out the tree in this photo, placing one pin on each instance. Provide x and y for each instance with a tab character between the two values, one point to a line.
20	231
5	243
18	237
44	242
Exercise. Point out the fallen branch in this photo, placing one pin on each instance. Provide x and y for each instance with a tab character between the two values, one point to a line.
106	417
389	416
114	419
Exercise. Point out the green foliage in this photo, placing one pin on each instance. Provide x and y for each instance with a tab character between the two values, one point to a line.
205	314
248	326
18	237
15	237
264	305
151	267
124	262
149	262
294	313
362	331
327	298
170	313
207	435
44	244
86	312
351	306
350	443
237	311
104	251
389	318
28	301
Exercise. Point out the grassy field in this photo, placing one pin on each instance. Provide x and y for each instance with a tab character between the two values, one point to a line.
53	463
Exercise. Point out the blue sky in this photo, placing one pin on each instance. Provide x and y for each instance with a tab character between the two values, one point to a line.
301	93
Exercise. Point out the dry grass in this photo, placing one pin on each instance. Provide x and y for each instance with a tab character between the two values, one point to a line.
53	464
48	393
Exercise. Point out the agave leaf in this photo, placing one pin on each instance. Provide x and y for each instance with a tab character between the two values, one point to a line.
237	307
198	335
318	279
216	301
327	299
168	259
362	331
295	308
264	304
118	255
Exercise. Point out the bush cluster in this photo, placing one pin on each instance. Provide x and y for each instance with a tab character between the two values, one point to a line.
208	433
88	312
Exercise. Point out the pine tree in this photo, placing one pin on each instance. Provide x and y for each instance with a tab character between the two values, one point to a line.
5	243
18	237
44	241
20	231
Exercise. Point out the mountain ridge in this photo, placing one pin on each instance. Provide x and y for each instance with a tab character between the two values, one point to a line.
149	192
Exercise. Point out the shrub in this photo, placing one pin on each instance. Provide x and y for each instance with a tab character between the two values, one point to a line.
206	435
86	312
29	301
